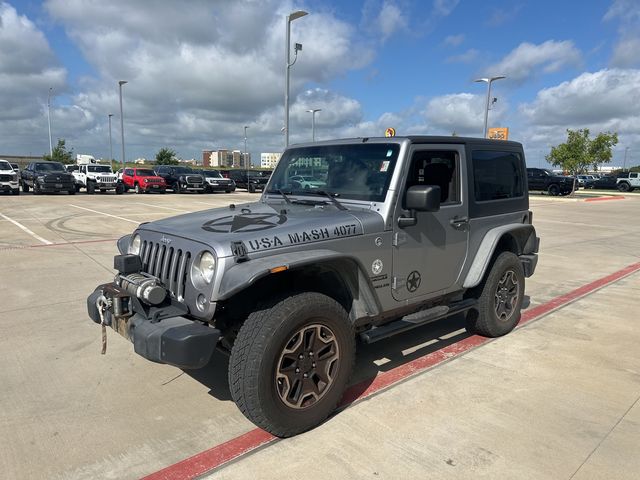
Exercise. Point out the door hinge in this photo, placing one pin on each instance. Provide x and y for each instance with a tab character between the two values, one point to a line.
399	238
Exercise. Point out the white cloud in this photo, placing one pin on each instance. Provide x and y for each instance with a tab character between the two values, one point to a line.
444	8
625	51
460	112
469	56
198	74
528	59
390	19
454	40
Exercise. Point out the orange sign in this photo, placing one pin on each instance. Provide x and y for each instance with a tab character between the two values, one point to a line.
390	132
498	133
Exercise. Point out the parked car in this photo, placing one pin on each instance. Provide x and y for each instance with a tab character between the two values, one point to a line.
119	173
628	181
47	177
181	179
609	182
97	178
8	178
143	180
72	168
584	180
251	180
545	180
216	182
302	182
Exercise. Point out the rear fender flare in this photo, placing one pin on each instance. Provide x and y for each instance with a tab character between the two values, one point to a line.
524	240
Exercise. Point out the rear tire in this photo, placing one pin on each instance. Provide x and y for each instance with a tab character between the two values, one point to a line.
276	379
499	297
251	188
624	187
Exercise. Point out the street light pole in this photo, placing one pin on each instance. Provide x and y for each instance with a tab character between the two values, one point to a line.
110	144
313	111
246	163
120	83
489	80
290	18
624	167
49	121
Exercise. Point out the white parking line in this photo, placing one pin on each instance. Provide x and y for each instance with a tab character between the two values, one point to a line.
105	214
22	227
160	206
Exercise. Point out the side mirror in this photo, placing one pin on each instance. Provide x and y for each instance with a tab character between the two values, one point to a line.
420	198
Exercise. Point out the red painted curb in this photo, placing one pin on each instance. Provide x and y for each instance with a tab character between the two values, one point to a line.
219	455
600	199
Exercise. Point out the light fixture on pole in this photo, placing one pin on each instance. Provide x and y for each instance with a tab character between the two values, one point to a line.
110	144
49	120
489	80
120	83
313	111
290	18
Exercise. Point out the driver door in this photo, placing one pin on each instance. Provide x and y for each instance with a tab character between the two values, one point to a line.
429	256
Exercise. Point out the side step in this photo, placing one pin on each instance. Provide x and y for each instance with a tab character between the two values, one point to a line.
416	319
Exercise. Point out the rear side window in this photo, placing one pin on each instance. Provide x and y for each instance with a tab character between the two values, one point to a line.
497	175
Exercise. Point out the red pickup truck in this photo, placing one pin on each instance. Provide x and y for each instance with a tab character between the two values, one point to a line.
143	180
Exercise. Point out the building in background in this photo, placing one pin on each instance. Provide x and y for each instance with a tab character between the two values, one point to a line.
269	160
206	158
223	158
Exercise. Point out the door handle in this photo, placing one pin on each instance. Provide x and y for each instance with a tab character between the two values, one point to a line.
459	222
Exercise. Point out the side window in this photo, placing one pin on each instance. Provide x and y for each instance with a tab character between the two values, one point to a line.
437	167
497	175
128	171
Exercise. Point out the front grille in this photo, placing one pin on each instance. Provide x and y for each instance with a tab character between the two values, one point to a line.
7	178
108	179
153	180
57	179
168	264
194	180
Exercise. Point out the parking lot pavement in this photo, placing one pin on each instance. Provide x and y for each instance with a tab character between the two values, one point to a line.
68	412
556	399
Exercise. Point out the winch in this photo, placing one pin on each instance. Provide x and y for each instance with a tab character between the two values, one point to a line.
142	285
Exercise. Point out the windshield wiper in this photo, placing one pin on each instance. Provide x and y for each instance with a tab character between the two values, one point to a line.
284	195
324	193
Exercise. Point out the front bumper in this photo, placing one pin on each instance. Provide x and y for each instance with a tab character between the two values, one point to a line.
56	187
8	186
158	333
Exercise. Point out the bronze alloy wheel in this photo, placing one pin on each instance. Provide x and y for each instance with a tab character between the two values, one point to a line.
307	366
506	295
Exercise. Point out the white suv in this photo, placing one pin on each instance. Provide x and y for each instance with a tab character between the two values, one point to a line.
8	178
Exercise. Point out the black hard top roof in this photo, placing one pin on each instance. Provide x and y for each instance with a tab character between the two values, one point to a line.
418	139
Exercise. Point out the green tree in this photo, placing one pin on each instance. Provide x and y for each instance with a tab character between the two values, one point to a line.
60	153
580	152
166	156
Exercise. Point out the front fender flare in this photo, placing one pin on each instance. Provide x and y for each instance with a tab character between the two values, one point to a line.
242	275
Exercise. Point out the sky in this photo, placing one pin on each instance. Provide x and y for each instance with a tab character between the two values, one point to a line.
198	71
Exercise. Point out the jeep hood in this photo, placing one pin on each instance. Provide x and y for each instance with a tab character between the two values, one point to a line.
262	226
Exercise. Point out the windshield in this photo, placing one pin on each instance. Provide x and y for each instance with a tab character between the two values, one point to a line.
211	174
358	172
182	170
49	167
145	172
99	168
5	165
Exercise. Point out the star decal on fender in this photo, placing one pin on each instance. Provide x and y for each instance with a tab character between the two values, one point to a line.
413	281
248	222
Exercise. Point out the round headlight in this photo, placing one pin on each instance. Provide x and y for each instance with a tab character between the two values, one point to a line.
134	246
207	266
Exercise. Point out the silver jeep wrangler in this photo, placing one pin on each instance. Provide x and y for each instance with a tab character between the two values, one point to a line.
395	233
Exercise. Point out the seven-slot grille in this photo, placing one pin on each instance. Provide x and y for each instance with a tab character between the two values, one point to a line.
169	264
108	178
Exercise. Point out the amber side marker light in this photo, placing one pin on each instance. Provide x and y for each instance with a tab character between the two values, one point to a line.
281	268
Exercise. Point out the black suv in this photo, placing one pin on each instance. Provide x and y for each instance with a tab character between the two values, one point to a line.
47	177
257	179
546	181
181	179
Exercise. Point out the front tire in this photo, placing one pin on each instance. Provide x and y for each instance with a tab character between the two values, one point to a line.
15	191
499	297
91	188
25	187
36	188
137	189
291	362
553	190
